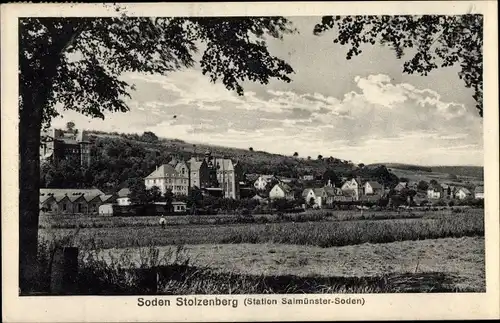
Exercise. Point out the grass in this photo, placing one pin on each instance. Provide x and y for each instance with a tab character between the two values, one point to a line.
79	221
174	274
318	233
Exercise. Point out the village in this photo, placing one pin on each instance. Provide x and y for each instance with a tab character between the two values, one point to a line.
223	178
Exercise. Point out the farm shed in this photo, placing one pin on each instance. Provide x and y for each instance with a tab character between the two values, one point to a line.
106	209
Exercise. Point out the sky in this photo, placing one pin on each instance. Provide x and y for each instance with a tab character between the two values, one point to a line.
364	109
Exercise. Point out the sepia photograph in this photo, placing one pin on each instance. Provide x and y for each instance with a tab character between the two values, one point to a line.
266	155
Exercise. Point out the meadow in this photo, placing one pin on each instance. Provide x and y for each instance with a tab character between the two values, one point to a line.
315	252
319	230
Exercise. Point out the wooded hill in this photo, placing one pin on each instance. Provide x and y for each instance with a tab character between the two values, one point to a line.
118	159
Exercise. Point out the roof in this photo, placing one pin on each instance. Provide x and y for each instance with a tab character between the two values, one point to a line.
163	171
178	203
194	164
72	194
435	187
305	192
479	189
59	191
374	184
330	191
463	189
105	198
224	164
404	184
318	191
284	187
124	192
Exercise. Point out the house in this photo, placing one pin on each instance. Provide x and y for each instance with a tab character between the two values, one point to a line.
434	191
479	192
70	201
57	144
228	176
263	181
323	196
179	207
167	177
199	173
401	186
281	190
314	196
106	209
353	187
462	193
123	197
373	188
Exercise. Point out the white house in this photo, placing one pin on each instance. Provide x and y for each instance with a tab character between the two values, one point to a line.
434	192
167	177
262	182
179	207
372	188
280	191
401	186
106	209
316	195
123	197
353	187
463	193
479	192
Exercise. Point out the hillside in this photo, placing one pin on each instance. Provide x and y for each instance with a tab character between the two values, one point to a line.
118	159
465	171
453	175
251	161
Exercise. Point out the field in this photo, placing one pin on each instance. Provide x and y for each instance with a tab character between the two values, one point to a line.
324	251
440	177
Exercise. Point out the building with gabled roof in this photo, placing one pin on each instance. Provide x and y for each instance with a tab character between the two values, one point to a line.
435	191
262	182
167	177
373	188
462	193
123	196
199	174
353	187
70	201
58	144
281	191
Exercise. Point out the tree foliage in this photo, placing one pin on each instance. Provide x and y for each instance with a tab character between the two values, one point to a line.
432	41
78	61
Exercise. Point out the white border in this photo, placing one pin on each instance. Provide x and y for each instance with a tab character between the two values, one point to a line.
124	309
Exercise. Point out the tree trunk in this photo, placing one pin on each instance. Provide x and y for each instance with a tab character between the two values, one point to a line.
29	178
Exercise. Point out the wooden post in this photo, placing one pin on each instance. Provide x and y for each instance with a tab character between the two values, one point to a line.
64	272
147	280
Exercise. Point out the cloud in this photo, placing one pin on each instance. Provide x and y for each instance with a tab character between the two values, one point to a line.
380	120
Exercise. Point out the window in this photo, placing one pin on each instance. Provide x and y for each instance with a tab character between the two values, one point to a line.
64	206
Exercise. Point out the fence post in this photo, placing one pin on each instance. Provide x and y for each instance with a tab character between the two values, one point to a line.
148	280
64	273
